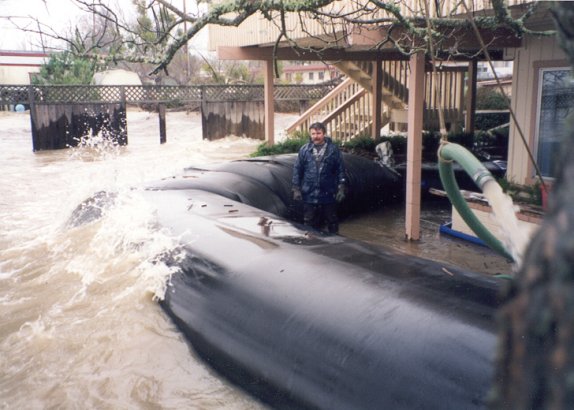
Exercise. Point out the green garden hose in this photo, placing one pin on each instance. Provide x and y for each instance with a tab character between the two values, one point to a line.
449	152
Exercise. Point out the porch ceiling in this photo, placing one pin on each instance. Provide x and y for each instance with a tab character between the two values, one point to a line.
369	45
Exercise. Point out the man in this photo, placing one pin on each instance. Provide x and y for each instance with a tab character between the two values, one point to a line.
319	180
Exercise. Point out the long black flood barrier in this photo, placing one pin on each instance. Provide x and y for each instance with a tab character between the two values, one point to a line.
304	320
265	183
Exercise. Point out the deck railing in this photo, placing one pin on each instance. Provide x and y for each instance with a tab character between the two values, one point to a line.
347	110
346	101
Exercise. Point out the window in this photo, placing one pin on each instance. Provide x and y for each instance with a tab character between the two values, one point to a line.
556	102
321	75
311	76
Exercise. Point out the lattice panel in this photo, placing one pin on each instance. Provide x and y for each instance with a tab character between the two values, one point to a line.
78	93
162	93
11	94
303	92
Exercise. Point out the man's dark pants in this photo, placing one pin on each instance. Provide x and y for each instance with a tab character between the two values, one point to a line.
319	215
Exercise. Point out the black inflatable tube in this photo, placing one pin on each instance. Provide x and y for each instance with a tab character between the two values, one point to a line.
325	322
265	183
302	320
430	177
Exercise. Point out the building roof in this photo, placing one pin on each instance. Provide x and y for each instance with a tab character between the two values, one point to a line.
23	58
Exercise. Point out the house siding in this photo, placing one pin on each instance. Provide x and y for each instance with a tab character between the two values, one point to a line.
308	74
17	66
17	75
537	53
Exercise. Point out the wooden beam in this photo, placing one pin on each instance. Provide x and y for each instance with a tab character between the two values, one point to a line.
470	99
269	101
287	53
377	106
414	146
351	53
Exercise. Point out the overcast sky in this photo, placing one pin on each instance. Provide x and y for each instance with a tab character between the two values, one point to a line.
60	15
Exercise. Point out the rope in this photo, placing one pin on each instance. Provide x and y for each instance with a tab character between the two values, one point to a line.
442	122
442	143
512	115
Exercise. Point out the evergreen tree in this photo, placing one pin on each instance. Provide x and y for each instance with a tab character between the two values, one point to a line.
66	68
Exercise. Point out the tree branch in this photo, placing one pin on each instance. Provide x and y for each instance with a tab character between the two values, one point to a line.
155	36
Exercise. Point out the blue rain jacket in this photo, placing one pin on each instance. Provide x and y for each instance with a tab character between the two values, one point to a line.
318	184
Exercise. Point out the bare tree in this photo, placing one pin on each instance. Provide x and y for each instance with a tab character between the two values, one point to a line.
155	30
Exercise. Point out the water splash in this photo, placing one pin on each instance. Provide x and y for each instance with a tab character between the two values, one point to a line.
80	321
515	237
96	147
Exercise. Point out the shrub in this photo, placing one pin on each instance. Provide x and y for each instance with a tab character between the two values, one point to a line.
466	139
489	99
481	143
526	194
487	121
398	143
290	145
362	143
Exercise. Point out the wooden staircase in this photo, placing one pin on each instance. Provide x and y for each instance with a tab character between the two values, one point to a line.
347	110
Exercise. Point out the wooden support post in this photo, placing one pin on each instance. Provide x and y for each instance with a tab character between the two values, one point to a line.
269	108
377	106
162	128
414	146
33	116
470	101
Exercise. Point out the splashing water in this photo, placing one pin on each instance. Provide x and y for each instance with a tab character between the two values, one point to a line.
80	323
96	146
515	237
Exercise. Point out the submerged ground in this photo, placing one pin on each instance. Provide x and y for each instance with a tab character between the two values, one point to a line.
387	227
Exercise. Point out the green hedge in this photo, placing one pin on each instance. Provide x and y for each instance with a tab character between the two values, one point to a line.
487	121
365	145
290	145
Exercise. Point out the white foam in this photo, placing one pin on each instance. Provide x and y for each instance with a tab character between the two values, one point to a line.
515	237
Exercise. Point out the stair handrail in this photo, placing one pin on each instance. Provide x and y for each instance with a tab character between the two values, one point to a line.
350	119
395	78
322	104
349	102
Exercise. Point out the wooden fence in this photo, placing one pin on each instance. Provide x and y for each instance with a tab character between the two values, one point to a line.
11	95
61	115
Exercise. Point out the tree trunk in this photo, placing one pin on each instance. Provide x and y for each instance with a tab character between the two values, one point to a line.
535	364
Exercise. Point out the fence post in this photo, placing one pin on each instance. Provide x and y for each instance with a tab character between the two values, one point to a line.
470	103
162	128
33	116
204	114
269	103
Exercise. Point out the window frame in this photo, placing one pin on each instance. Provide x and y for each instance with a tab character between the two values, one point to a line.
539	73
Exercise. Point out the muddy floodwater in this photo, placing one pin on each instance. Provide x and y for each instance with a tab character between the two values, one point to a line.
80	324
386	226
